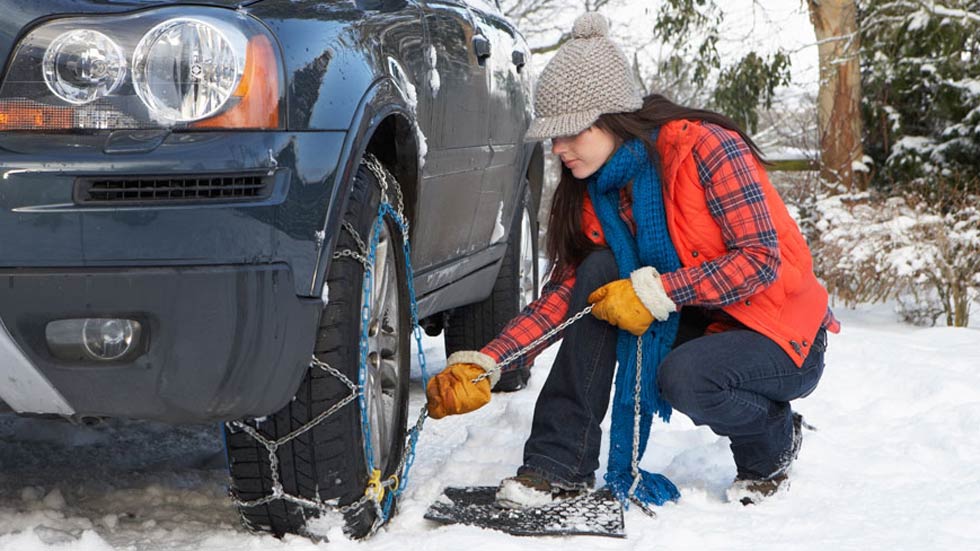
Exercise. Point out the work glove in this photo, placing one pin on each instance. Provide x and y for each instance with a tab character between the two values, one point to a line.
632	304
453	391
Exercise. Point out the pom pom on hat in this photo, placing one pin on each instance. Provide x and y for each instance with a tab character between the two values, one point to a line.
590	25
588	76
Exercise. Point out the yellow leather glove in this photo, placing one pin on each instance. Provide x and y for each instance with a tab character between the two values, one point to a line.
632	304
453	391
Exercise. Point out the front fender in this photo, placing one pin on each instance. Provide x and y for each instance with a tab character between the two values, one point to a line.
386	98
334	53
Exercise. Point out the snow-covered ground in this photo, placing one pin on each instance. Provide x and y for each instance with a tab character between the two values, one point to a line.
894	465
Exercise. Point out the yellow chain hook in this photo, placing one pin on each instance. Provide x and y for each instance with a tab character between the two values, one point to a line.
394	487
374	486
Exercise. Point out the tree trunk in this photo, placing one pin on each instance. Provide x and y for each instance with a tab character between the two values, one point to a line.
839	98
961	304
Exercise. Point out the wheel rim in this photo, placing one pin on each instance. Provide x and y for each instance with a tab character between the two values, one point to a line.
526	262
382	379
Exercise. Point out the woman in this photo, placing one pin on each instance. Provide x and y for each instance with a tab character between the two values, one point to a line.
665	221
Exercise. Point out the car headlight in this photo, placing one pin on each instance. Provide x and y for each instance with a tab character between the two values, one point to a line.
187	67
81	66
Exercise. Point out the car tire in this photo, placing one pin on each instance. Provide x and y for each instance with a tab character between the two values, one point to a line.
319	464
472	326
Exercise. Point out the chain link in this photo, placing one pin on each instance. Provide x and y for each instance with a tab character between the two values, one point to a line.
351	254
381	175
374	494
272	446
357	237
585	311
635	460
361	254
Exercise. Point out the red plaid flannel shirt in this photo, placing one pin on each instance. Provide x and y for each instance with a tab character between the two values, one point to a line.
729	176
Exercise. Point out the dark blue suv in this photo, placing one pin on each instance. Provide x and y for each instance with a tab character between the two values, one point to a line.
187	191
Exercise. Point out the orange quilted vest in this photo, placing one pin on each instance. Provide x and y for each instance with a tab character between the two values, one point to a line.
791	310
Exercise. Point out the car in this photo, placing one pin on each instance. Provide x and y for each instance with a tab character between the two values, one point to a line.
193	230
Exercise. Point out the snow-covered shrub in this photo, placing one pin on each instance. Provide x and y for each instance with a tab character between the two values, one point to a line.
922	248
920	308
851	231
801	191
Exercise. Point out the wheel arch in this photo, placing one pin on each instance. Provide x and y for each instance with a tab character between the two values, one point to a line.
384	125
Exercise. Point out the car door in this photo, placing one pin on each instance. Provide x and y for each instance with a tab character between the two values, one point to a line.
510	115
456	135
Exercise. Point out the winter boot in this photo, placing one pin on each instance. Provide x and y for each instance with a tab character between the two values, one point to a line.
529	489
749	490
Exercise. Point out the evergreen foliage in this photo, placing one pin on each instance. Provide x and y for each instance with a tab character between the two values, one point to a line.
921	91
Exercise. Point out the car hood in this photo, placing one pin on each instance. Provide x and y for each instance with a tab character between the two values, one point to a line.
19	14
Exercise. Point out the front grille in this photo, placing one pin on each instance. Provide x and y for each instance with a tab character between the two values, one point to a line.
138	190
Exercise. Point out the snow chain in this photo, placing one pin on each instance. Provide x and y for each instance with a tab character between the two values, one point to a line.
635	463
380	493
635	460
536	342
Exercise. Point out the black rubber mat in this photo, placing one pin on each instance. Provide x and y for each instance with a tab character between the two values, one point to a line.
592	514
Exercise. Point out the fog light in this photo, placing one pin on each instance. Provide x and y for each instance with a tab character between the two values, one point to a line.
108	339
102	339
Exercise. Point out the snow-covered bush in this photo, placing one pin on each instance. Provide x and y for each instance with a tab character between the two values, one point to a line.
922	248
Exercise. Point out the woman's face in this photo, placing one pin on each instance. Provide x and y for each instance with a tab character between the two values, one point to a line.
585	152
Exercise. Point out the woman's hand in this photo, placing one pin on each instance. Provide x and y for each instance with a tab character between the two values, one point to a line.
453	391
632	304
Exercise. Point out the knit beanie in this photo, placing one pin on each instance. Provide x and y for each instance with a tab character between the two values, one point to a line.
588	76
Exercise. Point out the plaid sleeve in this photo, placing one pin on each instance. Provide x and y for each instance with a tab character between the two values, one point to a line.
537	318
729	174
830	322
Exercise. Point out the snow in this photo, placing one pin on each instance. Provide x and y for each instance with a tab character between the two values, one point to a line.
514	492
864	165
917	145
435	81
498	226
970	85
952	12
894	117
422	143
789	153
918	20
893	465
413	104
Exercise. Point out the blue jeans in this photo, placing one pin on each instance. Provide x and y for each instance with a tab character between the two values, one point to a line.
738	383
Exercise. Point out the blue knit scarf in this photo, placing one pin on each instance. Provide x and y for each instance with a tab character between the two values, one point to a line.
651	247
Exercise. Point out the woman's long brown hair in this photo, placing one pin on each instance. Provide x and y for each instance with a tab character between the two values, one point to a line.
566	244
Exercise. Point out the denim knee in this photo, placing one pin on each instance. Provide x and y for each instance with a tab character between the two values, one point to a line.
671	380
598	268
680	384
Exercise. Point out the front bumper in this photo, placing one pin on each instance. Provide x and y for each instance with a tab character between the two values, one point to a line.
220	342
44	226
